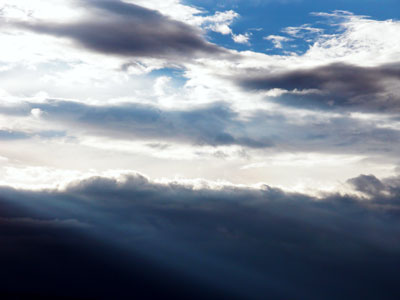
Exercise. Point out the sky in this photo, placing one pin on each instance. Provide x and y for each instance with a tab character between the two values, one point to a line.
200	149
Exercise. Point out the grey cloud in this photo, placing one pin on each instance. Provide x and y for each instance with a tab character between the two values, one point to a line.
12	135
341	135
251	243
368	184
21	135
336	86
213	125
383	191
125	29
217	124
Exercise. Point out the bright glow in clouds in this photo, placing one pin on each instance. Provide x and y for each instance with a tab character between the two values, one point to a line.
254	138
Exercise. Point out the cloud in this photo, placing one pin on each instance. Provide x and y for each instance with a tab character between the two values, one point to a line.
385	191
302	31
277	40
36	112
128	30
242	241
367	184
217	125
12	135
214	125
241	38
41	256
220	21
343	86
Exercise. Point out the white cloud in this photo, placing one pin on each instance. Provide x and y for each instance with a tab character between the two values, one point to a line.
277	40
362	41
36	112
220	21
302	31
161	85
172	8
241	38
57	10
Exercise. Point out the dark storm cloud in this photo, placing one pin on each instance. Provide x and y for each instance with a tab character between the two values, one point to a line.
370	89
120	28
47	258
252	243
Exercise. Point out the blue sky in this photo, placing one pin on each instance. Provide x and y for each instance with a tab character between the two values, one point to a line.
273	16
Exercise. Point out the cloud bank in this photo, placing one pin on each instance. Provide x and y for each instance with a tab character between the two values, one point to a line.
248	242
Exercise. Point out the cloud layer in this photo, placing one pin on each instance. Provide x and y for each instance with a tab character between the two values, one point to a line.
94	91
244	241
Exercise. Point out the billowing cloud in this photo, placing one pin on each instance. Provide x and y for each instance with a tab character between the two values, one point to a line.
385	191
240	241
367	184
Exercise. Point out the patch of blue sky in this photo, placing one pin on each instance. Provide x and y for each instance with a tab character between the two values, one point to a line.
270	17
